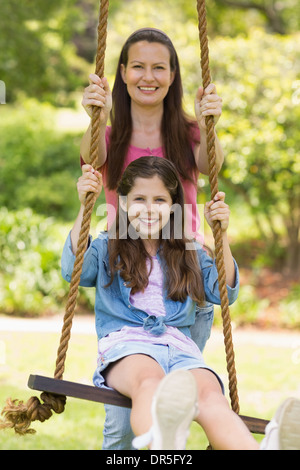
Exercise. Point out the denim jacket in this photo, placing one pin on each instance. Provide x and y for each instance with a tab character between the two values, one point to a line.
112	304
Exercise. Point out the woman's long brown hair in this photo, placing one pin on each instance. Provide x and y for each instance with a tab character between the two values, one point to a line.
176	126
128	254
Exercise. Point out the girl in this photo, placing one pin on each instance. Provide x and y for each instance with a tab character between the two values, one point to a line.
147	287
147	117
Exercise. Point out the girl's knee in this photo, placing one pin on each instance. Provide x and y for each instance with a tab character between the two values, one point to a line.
149	381
209	403
210	394
213	398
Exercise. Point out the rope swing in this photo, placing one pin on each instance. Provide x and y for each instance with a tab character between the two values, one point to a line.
217	233
18	415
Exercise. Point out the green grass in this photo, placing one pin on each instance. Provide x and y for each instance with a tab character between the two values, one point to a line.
266	375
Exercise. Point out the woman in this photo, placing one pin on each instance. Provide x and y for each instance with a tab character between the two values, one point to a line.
147	118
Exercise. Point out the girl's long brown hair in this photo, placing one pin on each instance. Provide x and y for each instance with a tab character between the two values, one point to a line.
128	254
176	126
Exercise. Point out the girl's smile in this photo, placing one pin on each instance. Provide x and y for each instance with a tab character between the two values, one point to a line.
148	205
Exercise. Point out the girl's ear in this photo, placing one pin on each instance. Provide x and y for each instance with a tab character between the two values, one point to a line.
123	203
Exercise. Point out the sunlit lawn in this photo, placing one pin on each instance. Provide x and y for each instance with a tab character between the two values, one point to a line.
266	375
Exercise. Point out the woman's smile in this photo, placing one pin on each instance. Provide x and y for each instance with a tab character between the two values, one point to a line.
148	72
148	90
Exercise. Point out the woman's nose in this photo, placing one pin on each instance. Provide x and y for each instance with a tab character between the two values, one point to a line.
148	75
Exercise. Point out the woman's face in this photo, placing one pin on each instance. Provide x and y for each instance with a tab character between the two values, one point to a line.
148	205
148	74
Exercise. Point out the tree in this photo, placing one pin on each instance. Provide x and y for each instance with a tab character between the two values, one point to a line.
279	17
37	57
258	79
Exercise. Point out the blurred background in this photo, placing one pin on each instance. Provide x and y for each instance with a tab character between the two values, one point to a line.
47	50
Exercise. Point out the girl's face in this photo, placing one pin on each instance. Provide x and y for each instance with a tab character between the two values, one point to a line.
148	74
148	206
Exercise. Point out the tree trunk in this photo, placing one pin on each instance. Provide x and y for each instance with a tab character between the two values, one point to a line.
293	252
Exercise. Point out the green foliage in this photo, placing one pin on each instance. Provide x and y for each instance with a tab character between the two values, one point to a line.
232	18
36	54
42	55
258	79
259	83
46	47
290	308
39	166
30	252
30	279
247	309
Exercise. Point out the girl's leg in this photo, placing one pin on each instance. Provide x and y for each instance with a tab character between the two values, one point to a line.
223	428
136	376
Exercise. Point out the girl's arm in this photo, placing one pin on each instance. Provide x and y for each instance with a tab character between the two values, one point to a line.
90	181
207	103
96	94
219	210
85	146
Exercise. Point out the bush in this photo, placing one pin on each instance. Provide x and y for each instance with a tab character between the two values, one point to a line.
290	307
246	309
30	276
39	166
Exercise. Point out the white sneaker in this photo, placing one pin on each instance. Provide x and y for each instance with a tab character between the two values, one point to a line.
283	431
173	408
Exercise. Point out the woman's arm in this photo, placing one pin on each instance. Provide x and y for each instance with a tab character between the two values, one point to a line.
207	103
96	94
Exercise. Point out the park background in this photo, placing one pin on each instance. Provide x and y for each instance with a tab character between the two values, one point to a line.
47	50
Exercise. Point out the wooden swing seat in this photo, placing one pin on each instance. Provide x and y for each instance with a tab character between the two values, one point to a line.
111	397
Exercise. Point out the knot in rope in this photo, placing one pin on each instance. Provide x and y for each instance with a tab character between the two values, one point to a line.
19	416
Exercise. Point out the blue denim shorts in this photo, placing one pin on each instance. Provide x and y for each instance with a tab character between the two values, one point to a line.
168	357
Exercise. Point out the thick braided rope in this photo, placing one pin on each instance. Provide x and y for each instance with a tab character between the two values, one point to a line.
213	179
16	414
89	204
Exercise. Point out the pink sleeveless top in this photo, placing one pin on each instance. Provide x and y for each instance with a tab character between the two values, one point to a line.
190	188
